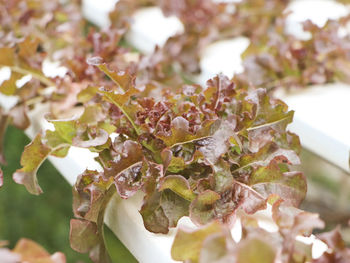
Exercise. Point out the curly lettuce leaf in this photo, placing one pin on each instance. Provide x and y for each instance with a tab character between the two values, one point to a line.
33	156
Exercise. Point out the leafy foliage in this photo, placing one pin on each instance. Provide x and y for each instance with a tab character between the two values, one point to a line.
204	22
212	153
289	62
28	251
204	158
214	243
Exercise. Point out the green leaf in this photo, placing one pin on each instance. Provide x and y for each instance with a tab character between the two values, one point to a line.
83	236
222	176
120	100
215	249
55	141
290	186
87	94
33	156
173	206
7	56
180	133
202	208
86	238
100	139
92	115
178	185
255	250
65	129
126	168
91	196
28	47
270	152
270	112
176	164
187	245
18	58
122	79
218	144
8	87
153	215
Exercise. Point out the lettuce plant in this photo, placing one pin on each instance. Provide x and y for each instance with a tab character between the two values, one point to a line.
286	61
214	153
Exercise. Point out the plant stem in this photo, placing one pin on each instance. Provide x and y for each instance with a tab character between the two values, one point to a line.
268	124
188	141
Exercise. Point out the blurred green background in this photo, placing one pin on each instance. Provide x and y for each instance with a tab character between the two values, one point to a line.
45	218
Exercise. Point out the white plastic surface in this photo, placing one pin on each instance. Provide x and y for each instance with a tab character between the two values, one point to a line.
218	56
322	120
126	222
96	11
142	34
